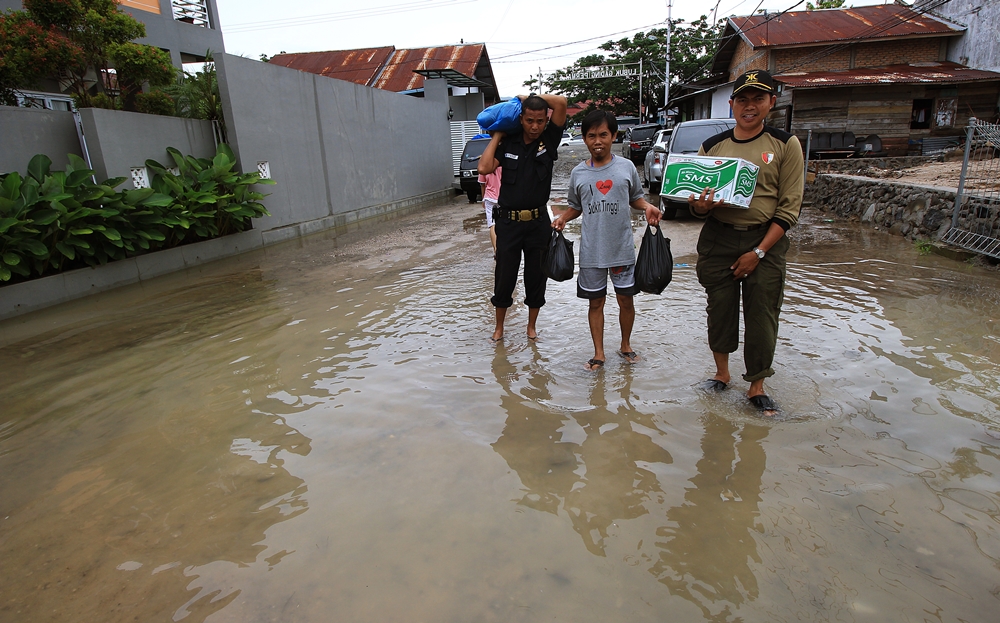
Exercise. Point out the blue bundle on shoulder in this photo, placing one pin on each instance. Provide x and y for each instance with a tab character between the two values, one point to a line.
502	117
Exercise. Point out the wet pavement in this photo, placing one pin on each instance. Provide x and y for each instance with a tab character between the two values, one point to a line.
321	431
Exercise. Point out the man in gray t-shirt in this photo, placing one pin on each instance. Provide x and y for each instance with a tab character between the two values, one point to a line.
602	189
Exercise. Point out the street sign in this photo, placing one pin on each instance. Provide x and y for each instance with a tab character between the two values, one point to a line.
604	71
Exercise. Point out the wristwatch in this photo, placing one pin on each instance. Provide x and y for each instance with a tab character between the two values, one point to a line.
760	253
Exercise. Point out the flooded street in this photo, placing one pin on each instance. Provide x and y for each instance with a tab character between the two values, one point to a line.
322	431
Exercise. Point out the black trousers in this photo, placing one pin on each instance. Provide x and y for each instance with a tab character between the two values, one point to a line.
515	238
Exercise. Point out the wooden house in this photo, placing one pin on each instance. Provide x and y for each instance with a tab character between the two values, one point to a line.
878	70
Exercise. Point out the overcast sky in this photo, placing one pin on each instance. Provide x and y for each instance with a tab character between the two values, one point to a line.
516	32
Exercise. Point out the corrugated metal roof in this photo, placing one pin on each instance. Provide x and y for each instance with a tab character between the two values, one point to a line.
837	25
398	73
391	69
358	66
939	73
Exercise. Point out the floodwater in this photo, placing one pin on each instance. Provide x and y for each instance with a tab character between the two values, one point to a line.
321	431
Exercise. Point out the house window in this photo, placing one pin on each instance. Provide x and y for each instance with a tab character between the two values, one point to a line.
191	12
923	111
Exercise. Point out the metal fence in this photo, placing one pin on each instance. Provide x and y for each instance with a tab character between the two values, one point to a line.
975	224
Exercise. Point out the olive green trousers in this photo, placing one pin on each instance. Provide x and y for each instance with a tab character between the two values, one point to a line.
762	294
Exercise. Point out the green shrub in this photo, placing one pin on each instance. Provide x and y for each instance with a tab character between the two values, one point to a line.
155	103
57	220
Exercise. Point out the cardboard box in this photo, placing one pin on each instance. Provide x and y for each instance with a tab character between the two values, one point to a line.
733	179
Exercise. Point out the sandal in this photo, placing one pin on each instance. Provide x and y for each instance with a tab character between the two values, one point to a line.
595	364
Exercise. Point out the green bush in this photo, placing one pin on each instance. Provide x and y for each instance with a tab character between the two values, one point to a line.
155	103
57	220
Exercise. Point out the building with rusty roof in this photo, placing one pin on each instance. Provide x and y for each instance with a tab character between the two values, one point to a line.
879	70
466	68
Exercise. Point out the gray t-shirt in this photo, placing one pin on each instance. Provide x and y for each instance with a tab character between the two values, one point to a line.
603	194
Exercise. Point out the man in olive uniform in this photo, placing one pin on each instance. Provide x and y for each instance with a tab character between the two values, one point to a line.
521	216
742	251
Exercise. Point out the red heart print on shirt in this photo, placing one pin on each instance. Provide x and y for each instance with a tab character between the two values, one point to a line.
604	186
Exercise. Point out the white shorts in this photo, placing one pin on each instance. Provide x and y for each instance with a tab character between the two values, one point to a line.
488	205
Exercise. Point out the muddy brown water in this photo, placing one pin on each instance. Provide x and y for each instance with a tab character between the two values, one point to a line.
321	431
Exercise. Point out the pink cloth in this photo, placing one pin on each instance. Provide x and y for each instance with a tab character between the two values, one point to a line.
492	182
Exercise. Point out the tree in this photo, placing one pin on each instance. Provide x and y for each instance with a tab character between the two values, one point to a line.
197	95
825	4
136	64
29	53
82	40
691	47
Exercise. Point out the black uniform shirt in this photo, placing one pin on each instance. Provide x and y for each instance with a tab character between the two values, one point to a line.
526	179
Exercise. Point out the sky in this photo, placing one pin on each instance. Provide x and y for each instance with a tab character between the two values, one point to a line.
521	36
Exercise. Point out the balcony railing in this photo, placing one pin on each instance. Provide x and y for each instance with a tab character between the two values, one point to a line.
191	11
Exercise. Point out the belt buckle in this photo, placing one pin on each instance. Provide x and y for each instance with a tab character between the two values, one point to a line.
525	215
741	227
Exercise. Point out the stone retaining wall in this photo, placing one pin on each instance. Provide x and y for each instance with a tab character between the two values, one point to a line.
853	165
916	212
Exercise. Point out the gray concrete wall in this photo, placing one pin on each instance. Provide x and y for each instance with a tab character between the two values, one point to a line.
979	47
25	132
334	147
119	140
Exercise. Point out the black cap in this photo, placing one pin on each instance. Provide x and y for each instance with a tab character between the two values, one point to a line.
755	79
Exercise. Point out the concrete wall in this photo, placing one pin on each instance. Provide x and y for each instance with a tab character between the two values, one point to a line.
979	47
25	132
118	140
334	147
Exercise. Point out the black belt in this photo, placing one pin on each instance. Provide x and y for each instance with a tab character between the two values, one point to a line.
741	227
517	215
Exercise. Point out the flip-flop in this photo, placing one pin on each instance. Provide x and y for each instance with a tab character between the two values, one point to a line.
629	356
595	364
764	404
496	340
712	385
532	339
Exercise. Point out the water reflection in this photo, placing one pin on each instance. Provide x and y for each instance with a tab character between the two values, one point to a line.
709	543
589	464
324	432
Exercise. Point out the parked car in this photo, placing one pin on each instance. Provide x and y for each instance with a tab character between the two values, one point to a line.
624	123
687	138
468	167
637	141
652	168
571	140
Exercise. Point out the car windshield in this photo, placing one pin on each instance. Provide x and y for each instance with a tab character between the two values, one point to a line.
643	134
474	149
687	140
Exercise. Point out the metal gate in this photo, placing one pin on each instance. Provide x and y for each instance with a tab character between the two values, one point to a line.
975	224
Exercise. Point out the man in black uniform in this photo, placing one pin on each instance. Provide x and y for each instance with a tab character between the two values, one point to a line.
521	215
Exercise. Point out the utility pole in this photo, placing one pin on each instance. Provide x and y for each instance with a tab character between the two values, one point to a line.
641	118
666	82
539	80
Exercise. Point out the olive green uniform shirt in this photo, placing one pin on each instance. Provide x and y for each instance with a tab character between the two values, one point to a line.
778	194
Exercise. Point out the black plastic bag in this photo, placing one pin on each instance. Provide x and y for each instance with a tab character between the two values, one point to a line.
654	268
557	262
